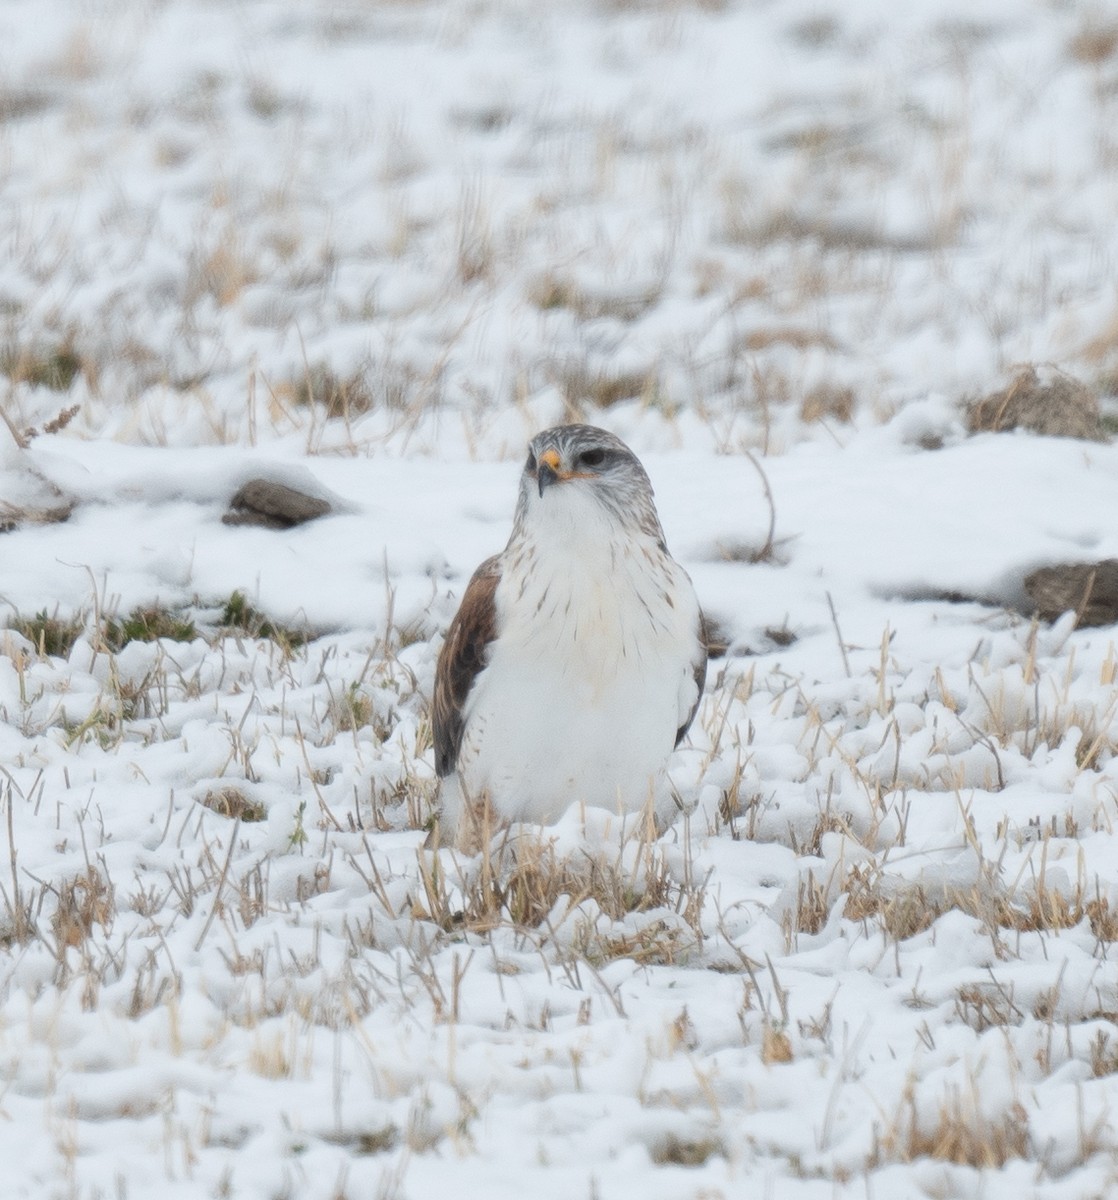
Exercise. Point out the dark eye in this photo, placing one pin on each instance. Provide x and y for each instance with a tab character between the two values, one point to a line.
592	458
530	465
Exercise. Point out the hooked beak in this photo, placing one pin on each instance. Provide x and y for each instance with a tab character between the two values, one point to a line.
548	471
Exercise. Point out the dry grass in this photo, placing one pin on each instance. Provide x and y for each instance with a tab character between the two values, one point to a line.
903	911
1057	406
231	802
776	1046
671	1150
346	396
474	245
54	367
524	882
1104	1056
588	389
1095	43
85	903
812	908
749	228
828	402
960	1133
386	384
765	337
221	271
553	291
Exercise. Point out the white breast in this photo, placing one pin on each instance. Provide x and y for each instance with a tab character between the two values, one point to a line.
588	681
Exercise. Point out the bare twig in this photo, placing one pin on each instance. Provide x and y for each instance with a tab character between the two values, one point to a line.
17	437
19	917
220	885
838	634
766	552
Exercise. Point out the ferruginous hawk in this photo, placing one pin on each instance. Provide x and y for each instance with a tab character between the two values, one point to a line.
576	660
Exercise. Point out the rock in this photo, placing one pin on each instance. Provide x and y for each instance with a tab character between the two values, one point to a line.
1090	590
1056	405
274	506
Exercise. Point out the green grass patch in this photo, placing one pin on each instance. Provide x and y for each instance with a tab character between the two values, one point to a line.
53	636
354	709
148	625
239	615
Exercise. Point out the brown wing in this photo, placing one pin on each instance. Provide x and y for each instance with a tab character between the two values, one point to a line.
464	653
699	669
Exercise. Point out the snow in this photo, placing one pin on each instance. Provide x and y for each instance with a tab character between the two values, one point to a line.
777	248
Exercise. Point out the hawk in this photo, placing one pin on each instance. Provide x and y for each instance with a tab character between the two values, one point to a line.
576	660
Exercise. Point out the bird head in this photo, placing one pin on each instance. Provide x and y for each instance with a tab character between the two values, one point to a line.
581	472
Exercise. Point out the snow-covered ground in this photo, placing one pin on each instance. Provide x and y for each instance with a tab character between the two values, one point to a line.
368	248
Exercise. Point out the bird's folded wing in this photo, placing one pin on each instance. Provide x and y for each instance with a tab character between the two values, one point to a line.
463	655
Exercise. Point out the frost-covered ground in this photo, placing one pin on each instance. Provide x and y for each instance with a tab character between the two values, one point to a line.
371	247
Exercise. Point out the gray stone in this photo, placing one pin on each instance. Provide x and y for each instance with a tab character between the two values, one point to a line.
1088	589
274	506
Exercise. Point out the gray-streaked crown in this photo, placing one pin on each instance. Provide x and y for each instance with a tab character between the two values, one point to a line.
600	458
